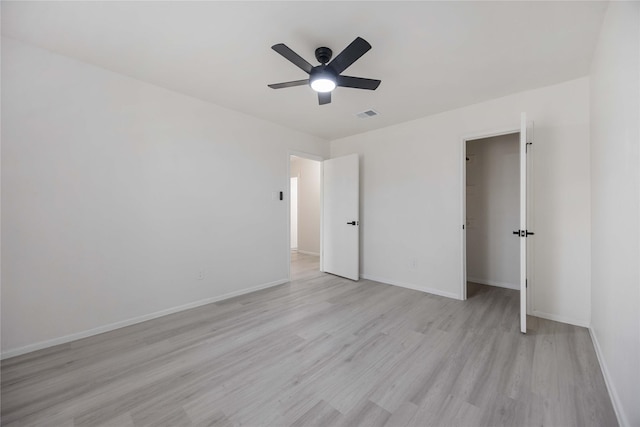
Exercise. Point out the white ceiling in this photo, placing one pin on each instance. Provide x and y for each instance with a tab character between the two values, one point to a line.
430	56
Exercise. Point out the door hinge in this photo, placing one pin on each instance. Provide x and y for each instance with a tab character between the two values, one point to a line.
526	283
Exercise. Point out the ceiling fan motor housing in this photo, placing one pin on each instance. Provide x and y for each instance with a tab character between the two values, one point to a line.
323	55
322	72
322	78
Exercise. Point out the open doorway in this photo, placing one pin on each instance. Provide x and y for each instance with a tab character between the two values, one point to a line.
492	213
305	216
500	170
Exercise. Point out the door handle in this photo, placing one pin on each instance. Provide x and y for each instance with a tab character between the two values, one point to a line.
352	223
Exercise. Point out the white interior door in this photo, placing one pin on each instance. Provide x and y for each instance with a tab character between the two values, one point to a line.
294	213
523	223
340	213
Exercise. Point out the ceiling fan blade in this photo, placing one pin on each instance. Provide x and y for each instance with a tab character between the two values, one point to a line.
324	98
289	84
297	60
357	82
349	55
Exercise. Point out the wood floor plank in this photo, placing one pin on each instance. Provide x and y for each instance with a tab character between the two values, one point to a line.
403	416
366	413
319	350
322	414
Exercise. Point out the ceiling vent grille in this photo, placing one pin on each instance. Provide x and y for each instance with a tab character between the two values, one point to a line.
367	114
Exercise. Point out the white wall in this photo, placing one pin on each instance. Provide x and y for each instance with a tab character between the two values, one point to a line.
615	195
411	203
116	194
308	173
493	211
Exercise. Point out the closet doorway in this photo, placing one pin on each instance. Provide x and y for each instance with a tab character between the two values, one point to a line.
492	170
493	212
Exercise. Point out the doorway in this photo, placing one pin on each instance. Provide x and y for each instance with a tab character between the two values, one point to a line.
525	137
492	212
305	215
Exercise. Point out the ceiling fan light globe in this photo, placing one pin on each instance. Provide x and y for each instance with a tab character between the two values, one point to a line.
323	85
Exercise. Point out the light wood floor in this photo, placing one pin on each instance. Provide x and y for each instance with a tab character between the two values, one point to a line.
322	351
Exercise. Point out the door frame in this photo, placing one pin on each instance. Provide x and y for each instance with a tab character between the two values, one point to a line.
463	217
316	158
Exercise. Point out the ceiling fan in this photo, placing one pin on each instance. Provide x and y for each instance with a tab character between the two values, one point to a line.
325	77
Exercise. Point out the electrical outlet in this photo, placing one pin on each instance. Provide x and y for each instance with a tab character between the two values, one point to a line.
201	275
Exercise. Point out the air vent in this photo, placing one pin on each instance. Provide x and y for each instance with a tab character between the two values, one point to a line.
367	114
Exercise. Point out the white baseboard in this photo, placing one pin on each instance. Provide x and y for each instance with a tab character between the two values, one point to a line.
411	286
615	399
493	283
300	251
121	324
561	319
